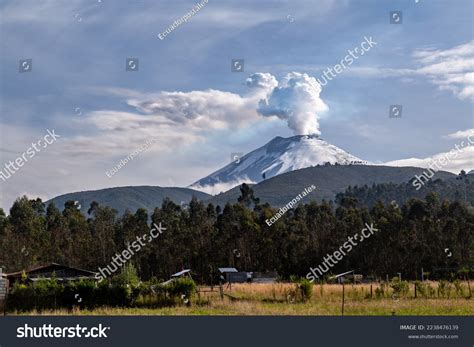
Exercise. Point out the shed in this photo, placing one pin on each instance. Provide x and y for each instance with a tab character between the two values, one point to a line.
181	274
346	277
232	275
341	278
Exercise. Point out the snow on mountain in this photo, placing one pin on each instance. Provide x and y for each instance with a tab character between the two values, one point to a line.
278	156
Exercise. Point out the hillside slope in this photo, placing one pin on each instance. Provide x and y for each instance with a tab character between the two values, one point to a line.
329	180
131	198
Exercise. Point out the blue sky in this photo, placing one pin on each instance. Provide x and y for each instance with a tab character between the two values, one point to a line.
185	96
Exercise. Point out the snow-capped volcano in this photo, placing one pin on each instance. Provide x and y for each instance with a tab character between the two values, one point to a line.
278	156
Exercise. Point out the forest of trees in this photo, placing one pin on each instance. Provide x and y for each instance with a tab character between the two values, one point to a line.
203	238
459	189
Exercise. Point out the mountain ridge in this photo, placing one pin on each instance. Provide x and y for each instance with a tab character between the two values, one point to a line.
329	180
129	197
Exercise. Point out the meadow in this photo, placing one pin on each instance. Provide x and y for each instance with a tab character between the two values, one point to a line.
284	299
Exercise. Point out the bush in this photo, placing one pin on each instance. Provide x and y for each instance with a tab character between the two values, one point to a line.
43	294
421	289
81	294
306	288
128	277
380	291
21	298
400	288
49	294
181	286
444	288
291	295
302	291
459	288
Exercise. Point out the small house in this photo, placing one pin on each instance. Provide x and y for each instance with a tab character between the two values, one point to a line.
61	273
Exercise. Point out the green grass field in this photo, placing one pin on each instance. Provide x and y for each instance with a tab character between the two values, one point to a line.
279	299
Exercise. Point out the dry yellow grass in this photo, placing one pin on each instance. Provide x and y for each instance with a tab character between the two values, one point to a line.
274	299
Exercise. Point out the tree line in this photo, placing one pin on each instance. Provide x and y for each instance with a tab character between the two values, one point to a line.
460	189
411	236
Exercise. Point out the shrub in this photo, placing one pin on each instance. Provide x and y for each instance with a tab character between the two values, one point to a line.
306	288
400	288
43	294
444	288
128	277
459	287
291	295
380	291
81	293
431	291
182	288
49	294
421	289
21	298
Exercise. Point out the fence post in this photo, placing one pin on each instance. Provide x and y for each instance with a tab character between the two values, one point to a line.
343	294
468	285
371	291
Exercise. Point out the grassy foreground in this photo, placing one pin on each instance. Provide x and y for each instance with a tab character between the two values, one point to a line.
278	299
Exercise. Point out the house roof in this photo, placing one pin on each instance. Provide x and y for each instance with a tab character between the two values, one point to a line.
182	272
342	274
227	269
60	278
54	266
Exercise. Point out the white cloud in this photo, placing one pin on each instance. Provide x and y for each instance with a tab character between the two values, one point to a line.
263	81
429	56
221	187
460	157
450	69
461	134
175	119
